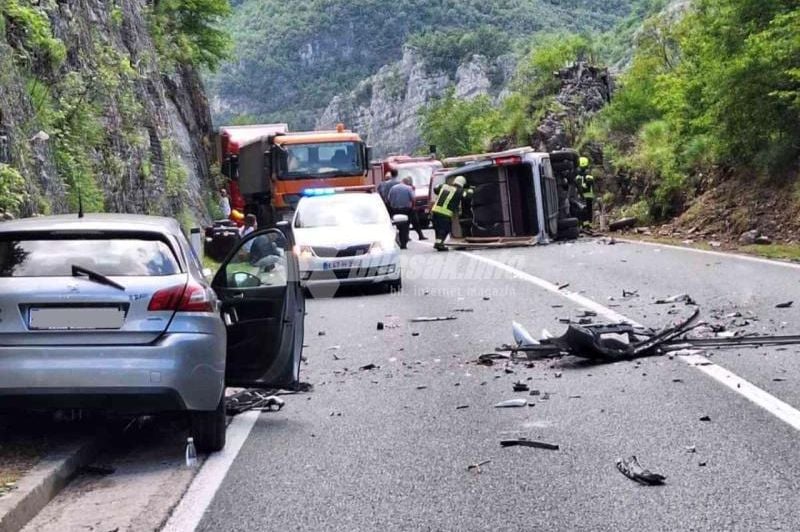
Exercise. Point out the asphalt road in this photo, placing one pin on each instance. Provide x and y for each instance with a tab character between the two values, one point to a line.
389	448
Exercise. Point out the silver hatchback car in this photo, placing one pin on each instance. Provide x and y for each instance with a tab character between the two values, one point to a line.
113	312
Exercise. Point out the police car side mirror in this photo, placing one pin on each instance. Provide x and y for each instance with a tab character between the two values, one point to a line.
399	219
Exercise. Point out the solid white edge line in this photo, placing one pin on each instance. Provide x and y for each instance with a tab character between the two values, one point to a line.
192	507
773	405
721	254
753	393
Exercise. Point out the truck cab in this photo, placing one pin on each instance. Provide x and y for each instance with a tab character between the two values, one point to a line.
269	167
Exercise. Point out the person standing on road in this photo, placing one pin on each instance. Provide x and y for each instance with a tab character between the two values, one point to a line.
401	201
447	205
585	183
413	217
389	181
224	203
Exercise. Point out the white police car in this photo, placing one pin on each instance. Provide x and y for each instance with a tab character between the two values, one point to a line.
345	238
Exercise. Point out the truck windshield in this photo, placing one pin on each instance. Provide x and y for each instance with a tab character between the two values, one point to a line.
329	159
420	174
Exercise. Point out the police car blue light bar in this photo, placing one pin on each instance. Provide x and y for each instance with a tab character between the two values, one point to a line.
319	191
336	190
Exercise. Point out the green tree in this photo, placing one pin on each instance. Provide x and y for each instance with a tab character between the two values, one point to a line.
460	127
189	31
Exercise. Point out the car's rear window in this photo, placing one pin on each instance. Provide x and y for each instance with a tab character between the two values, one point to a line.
54	257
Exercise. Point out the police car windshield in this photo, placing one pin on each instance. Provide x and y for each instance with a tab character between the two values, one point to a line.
340	211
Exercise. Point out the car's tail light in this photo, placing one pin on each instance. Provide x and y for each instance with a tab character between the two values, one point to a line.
191	297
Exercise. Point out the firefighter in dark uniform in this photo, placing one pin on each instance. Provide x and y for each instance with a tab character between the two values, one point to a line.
585	184
447	205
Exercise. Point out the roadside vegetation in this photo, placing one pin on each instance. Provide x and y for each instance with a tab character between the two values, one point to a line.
712	93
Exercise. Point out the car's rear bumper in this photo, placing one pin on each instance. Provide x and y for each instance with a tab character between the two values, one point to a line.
179	371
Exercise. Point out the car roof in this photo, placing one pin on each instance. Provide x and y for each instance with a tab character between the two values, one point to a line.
93	222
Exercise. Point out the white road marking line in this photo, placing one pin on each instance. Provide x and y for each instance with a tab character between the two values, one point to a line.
753	393
720	254
189	512
773	405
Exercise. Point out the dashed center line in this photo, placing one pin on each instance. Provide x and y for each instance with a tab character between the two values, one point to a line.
781	410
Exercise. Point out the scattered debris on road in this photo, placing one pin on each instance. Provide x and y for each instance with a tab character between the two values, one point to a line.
464	310
512	403
477	467
369	367
462	407
524	442
631	468
705	418
679	298
262	400
425	319
788	304
380	326
562	286
521	387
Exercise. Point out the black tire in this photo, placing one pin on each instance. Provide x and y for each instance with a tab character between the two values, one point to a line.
570	233
567	223
393	286
209	428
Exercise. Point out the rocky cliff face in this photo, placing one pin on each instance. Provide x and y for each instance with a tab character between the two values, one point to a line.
385	107
89	109
585	90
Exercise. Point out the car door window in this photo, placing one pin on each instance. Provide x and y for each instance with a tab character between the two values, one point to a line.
259	262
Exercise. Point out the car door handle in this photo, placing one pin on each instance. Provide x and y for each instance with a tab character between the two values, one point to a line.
237	295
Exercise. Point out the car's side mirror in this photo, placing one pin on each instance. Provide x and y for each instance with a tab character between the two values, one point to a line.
399	219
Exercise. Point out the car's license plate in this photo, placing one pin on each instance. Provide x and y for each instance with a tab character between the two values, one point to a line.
339	264
76	318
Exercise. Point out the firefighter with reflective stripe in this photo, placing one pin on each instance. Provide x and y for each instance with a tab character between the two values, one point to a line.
447	205
585	183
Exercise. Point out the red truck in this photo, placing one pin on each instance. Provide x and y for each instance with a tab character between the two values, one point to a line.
419	169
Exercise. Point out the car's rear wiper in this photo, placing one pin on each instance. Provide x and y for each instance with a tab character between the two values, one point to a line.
96	277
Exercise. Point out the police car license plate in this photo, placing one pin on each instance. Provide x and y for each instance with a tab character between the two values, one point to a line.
339	264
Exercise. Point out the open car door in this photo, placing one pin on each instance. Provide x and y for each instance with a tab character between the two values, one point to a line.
263	307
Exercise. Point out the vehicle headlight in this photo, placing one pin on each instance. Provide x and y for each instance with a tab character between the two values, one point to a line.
303	252
381	246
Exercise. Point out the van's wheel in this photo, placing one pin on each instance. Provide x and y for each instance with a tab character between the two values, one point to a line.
209	428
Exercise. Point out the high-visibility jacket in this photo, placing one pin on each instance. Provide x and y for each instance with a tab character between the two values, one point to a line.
448	199
585	185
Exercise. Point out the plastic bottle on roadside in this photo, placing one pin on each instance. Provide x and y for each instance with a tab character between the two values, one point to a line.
191	453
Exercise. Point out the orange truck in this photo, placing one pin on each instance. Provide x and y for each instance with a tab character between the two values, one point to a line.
268	169
419	169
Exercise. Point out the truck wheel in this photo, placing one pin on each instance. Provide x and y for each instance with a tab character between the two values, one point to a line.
209	428
568	229
567	223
